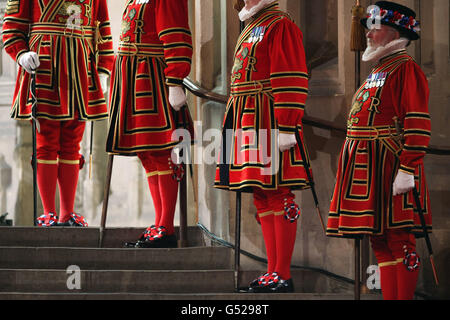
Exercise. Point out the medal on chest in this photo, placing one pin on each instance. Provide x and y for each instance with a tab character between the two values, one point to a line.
376	80
367	99
257	34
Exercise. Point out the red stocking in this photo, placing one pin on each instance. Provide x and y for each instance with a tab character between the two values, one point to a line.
406	282
403	246
67	179
388	280
168	189
153	184
268	231
47	174
285	233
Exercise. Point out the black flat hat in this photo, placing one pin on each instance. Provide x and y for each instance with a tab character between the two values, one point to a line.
392	14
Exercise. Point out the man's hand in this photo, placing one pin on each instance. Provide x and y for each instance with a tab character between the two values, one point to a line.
177	97
403	183
286	141
103	81
29	61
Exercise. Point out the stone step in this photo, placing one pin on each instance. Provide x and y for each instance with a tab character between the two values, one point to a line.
155	281
198	258
116	281
81	237
224	297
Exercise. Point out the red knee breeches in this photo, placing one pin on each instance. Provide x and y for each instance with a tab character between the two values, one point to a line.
58	159
398	262
279	233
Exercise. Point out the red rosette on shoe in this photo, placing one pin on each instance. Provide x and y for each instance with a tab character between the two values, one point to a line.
78	219
149	232
47	220
270	279
158	234
262	280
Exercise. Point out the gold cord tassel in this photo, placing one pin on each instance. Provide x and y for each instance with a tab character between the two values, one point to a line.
358	40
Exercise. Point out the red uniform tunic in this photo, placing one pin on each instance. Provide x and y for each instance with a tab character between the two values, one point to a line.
371	156
155	51
268	91
64	33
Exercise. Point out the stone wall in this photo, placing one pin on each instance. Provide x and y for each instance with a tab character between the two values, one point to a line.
326	27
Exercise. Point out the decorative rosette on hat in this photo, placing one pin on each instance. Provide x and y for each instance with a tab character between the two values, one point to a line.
396	16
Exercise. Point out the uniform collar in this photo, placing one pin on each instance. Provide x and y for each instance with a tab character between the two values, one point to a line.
274	6
392	56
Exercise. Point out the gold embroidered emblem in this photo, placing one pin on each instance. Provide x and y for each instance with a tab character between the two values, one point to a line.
125	27
239	64
70	13
374	105
356	108
251	64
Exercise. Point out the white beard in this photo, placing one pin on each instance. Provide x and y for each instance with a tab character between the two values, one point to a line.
245	14
377	53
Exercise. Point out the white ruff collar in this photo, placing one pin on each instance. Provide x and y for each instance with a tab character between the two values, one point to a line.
245	14
378	53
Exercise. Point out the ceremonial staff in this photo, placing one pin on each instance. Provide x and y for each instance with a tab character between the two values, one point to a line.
357	44
106	199
310	178
35	127
90	149
183	182
419	208
183	111
425	233
97	40
237	235
238	5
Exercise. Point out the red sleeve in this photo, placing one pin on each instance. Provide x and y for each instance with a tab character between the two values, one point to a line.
414	115
288	74
105	43
16	26
172	26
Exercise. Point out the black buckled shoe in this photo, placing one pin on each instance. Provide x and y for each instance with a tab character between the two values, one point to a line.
75	220
258	281
159	240
147	233
271	283
283	286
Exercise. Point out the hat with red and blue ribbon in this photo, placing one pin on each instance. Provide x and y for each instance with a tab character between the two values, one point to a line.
397	16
